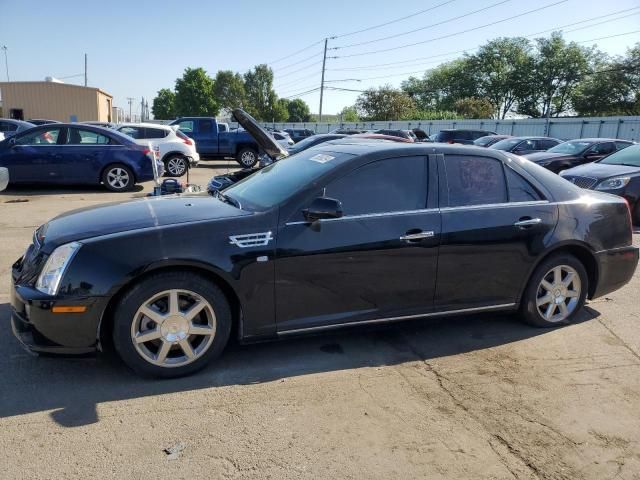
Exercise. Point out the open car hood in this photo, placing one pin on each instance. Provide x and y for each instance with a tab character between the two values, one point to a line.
260	135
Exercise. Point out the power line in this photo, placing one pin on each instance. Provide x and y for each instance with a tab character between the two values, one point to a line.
453	34
393	21
300	69
600	23
421	28
609	36
296	52
298	62
587	20
314	74
301	94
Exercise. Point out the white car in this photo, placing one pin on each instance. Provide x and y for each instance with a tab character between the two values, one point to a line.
177	151
283	138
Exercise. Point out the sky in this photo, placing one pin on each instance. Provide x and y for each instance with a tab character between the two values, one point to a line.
135	48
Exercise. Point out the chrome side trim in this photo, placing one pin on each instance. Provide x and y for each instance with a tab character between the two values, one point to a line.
490	308
495	205
369	215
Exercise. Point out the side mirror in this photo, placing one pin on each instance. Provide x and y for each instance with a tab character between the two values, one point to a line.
323	208
4	178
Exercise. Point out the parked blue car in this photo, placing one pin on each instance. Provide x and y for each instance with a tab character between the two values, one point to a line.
9	127
69	153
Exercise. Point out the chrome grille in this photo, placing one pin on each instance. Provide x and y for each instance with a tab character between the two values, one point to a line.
582	182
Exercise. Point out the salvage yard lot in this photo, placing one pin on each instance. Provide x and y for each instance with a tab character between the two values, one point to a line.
471	397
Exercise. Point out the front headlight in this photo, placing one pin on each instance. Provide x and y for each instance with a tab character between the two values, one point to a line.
49	279
613	183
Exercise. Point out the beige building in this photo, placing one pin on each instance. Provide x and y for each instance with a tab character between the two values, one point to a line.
55	101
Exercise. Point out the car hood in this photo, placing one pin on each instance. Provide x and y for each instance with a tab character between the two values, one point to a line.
601	170
544	156
147	212
266	142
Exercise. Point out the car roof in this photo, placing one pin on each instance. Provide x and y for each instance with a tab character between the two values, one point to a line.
526	137
385	149
16	122
464	130
599	140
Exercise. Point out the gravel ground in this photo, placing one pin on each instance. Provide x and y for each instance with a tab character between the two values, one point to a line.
470	397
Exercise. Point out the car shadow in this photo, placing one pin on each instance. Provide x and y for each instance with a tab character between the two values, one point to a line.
37	190
72	388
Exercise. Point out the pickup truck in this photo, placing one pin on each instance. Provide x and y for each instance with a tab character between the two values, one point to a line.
214	140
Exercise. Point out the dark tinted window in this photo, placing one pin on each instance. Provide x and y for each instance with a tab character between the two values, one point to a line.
40	137
155	133
547	144
206	126
621	145
474	181
8	127
519	189
525	146
602	148
133	132
391	185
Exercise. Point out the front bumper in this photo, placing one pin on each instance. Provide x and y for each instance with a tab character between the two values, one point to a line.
39	330
615	269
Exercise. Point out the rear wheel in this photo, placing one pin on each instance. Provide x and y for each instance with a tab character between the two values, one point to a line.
176	166
118	178
171	324
247	157
556	292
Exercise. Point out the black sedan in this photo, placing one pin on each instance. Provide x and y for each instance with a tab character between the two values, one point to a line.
525	145
577	152
619	173
489	140
298	248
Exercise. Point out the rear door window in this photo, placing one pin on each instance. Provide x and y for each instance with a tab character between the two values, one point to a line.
133	132
390	185
474	181
205	126
78	136
603	148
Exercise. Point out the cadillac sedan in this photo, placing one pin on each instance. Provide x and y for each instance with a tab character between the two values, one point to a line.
335	236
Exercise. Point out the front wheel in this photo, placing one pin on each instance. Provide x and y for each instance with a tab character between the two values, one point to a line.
171	324
556	292
118	178
247	157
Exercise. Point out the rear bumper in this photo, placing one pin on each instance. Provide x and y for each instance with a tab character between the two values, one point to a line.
39	330
615	269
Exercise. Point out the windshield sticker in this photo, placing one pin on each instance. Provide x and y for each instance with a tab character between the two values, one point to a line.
322	158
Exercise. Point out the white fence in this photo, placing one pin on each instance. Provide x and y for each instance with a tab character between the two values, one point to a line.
626	128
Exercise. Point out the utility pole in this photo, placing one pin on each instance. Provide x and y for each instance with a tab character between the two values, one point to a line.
324	61
142	110
6	62
85	69
130	100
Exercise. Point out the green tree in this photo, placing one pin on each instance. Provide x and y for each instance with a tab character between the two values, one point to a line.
262	101
194	94
349	114
385	103
440	88
500	69
557	70
163	107
229	90
612	88
475	107
298	111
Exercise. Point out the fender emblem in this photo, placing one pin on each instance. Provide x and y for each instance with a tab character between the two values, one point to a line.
251	239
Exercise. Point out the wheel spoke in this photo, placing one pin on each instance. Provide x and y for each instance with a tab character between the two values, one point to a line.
543	300
186	348
546	285
563	309
550	311
163	351
152	314
568	279
200	330
572	294
194	311
148	336
557	275
174	307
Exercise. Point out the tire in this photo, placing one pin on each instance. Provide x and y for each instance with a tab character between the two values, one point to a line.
118	178
175	166
247	157
162	345
541	305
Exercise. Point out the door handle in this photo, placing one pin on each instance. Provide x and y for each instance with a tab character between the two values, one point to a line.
524	223
415	237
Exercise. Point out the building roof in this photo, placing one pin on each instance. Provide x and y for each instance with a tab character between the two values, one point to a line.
55	85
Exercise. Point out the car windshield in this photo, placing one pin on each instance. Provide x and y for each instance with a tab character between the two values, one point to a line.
507	144
629	156
570	148
280	180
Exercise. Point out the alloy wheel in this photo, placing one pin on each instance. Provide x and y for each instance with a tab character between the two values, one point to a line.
558	293
118	178
248	158
173	328
176	166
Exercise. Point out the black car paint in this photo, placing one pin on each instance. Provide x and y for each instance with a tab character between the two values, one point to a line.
326	274
556	162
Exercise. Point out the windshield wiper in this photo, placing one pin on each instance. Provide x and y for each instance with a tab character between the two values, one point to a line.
230	200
